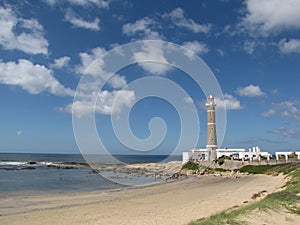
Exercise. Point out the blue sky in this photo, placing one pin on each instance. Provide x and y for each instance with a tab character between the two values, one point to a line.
46	47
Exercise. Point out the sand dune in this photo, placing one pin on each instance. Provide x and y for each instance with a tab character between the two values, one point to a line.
176	202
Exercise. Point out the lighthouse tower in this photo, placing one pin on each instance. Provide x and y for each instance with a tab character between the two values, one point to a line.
211	145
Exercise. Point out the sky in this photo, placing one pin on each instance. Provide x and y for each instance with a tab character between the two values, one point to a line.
48	47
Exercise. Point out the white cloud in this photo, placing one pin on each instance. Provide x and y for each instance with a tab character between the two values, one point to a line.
19	132
147	28
230	30
138	26
249	46
268	113
87	65
32	78
250	91
107	103
188	100
195	46
51	2
221	52
274	92
287	132
93	66
79	22
30	39
152	51
117	81
178	19
61	62
229	102
264	16
291	46
97	3
288	109
143	27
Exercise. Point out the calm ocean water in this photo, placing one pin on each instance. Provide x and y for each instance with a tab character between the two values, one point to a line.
56	173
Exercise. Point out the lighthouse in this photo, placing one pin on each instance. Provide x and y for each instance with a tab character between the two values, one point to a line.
212	152
211	144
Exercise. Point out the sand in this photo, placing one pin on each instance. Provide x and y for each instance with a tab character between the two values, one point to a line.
177	202
278	217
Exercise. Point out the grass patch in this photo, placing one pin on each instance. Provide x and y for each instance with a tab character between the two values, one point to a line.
288	198
221	170
222	159
285	168
190	166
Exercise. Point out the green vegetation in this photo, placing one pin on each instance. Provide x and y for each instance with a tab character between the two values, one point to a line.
190	165
213	170
288	198
222	159
221	170
269	169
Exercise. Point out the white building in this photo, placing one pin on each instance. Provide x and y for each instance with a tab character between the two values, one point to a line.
234	153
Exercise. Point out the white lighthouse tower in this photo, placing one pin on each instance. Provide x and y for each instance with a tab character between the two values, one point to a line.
211	145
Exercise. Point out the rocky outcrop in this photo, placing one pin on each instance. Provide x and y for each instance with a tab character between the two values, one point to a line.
18	168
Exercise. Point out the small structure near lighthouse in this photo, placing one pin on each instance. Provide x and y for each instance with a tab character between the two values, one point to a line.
211	145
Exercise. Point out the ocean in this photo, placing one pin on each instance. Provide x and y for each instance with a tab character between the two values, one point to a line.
27	173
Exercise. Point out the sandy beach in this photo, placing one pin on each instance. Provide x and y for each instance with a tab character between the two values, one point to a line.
176	202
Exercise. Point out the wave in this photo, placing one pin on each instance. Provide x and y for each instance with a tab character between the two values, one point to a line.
12	163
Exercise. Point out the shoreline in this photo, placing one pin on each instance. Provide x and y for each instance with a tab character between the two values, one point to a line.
175	202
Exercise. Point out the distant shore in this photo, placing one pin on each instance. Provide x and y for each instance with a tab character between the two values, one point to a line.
178	201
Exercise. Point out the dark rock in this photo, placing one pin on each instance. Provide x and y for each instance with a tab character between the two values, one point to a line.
18	168
28	168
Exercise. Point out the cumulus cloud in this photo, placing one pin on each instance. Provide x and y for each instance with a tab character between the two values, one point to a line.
19	132
149	52
107	103
117	81
89	98
287	109
249	46
147	28
81	23
188	100
268	113
229	102
250	91
144	28
286	132
85	3
289	46
138	26
264	16
32	78
60	62
195	46
30	37
87	64
178	19
221	52
93	64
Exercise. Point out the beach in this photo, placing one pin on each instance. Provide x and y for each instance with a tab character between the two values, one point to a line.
173	202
